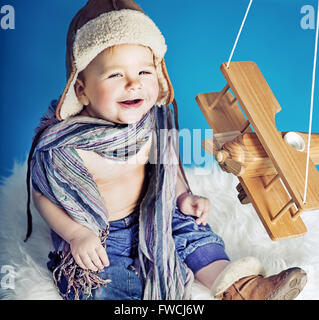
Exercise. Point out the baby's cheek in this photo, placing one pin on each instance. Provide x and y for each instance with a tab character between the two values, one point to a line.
154	90
103	96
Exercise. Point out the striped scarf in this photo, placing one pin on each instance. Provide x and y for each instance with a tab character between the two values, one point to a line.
60	174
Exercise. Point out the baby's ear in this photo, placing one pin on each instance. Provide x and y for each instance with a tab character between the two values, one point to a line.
79	87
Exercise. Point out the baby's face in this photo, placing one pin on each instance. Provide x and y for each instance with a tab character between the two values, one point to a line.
119	85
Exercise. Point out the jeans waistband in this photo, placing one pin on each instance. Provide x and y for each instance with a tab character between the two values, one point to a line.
127	221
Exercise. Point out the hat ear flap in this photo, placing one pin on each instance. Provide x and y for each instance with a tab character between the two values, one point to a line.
68	100
166	91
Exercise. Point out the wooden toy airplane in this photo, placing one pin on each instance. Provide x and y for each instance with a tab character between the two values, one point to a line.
270	165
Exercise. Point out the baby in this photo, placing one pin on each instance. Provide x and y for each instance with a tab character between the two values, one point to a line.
124	222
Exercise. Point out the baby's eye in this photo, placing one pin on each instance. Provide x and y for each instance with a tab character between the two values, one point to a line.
145	72
114	75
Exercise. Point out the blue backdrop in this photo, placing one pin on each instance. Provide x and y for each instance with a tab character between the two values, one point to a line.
199	35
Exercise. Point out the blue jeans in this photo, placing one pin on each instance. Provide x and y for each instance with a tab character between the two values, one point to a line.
196	245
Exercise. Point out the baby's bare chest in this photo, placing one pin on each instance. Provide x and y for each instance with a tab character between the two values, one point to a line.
105	170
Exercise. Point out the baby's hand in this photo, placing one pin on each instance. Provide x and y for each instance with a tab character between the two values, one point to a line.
88	251
193	205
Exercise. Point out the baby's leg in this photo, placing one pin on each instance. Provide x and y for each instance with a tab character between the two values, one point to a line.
208	274
199	247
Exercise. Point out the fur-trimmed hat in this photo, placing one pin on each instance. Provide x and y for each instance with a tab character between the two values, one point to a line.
101	24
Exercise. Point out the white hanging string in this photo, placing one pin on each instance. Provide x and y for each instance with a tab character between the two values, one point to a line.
241	28
311	107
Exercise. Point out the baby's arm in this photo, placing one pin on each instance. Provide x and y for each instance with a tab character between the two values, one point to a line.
86	247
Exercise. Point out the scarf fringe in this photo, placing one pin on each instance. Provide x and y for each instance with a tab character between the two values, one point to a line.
81	281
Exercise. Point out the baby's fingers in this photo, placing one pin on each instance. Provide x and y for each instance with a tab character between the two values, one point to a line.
96	260
79	261
88	263
103	256
203	216
200	206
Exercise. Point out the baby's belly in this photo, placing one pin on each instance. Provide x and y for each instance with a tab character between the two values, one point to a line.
123	195
121	184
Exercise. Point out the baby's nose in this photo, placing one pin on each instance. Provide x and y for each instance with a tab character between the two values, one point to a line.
134	84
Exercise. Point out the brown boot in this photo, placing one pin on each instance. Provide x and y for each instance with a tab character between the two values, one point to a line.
285	285
234	283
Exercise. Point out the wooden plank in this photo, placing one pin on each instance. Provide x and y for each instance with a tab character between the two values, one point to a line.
314	146
223	117
268	204
260	106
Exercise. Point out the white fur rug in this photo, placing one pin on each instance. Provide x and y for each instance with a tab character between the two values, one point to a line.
23	273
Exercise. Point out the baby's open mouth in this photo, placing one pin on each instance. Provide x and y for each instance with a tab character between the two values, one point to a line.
132	103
